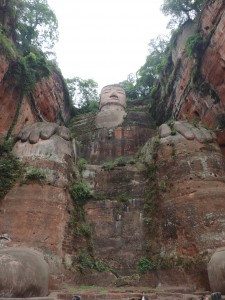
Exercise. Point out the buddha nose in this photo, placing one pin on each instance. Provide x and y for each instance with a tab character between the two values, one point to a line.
113	95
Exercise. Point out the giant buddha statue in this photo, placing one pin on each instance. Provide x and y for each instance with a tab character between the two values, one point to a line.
112	96
112	106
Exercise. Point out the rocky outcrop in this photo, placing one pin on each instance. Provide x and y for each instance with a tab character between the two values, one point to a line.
23	273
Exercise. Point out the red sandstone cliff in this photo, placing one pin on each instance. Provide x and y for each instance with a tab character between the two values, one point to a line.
187	217
193	87
48	101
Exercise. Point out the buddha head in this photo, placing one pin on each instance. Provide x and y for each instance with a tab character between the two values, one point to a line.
112	95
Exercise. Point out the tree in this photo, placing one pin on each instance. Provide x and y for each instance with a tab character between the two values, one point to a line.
129	86
181	10
83	94
30	23
139	86
154	64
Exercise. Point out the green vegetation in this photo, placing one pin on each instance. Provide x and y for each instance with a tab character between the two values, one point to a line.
83	229
181	10
81	164
109	166
194	45
118	162
35	175
77	289
85	261
167	262
33	24
6	45
170	123
146	264
122	198
141	85
84	94
80	192
151	171
10	168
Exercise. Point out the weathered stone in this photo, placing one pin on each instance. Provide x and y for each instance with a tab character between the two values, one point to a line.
184	130
216	271
23	273
199	135
209	137
34	136
64	133
164	131
48	131
25	135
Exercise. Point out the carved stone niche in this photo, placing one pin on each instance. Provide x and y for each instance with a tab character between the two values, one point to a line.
112	107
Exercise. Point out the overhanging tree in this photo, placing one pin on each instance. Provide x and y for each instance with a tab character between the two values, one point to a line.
181	10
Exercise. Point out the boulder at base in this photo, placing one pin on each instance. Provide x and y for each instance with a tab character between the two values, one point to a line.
23	273
216	271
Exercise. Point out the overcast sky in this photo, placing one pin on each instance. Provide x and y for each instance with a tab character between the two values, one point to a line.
105	39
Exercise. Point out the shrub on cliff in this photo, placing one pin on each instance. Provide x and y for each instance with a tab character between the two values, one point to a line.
35	175
10	168
80	192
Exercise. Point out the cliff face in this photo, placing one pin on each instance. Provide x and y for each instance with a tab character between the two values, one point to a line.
194	89
164	204
48	101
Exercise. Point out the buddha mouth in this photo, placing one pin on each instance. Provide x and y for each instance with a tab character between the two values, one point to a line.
114	97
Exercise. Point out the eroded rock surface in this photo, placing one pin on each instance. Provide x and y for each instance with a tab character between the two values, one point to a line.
191	173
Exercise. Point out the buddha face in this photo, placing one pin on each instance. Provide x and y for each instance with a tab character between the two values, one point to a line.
112	94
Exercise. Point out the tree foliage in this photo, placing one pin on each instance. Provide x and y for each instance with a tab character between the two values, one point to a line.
154	64
30	23
129	85
83	93
181	10
140	86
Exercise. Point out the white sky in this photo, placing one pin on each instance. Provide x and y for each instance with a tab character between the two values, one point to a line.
105	40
